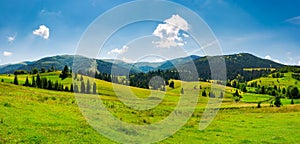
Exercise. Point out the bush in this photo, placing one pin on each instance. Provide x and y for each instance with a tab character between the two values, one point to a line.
171	85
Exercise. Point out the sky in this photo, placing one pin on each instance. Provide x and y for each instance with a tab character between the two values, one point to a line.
30	30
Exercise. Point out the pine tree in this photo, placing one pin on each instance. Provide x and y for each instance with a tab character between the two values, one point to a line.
16	80
56	85
212	95
82	87
244	89
33	84
44	83
204	93
65	73
283	90
94	88
236	93
26	82
171	85
66	89
263	90
61	87
167	82
76	88
277	102
49	85
38	81
294	92
71	88
222	95
88	87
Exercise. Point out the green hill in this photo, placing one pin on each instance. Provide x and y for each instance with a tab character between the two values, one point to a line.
235	65
31	115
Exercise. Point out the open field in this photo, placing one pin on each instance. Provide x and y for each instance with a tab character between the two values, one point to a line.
283	82
31	115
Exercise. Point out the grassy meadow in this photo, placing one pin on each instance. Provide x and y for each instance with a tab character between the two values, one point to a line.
32	115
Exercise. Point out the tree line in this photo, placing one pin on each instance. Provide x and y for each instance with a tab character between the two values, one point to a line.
44	83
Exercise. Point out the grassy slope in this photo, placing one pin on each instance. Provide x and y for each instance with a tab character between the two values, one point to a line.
281	83
284	82
35	115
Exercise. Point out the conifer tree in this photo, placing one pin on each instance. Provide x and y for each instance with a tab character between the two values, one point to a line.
16	80
72	88
38	81
33	83
88	87
26	82
94	88
82	87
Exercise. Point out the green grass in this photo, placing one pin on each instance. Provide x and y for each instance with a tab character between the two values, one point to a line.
255	98
284	82
31	115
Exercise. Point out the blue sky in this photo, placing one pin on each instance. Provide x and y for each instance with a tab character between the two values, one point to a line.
30	30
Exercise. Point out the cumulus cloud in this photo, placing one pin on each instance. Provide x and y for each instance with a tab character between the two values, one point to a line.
11	39
169	32
43	32
119	51
7	54
294	20
270	58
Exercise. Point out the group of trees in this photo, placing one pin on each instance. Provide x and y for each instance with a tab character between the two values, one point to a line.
34	71
296	76
106	77
44	83
212	94
142	80
277	75
248	75
65	73
86	88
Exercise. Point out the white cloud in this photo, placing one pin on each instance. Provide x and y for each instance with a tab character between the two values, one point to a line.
299	62
294	20
43	32
7	54
119	51
270	58
45	12
169	32
11	39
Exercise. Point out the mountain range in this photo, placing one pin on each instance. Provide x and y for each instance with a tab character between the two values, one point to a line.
235	64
